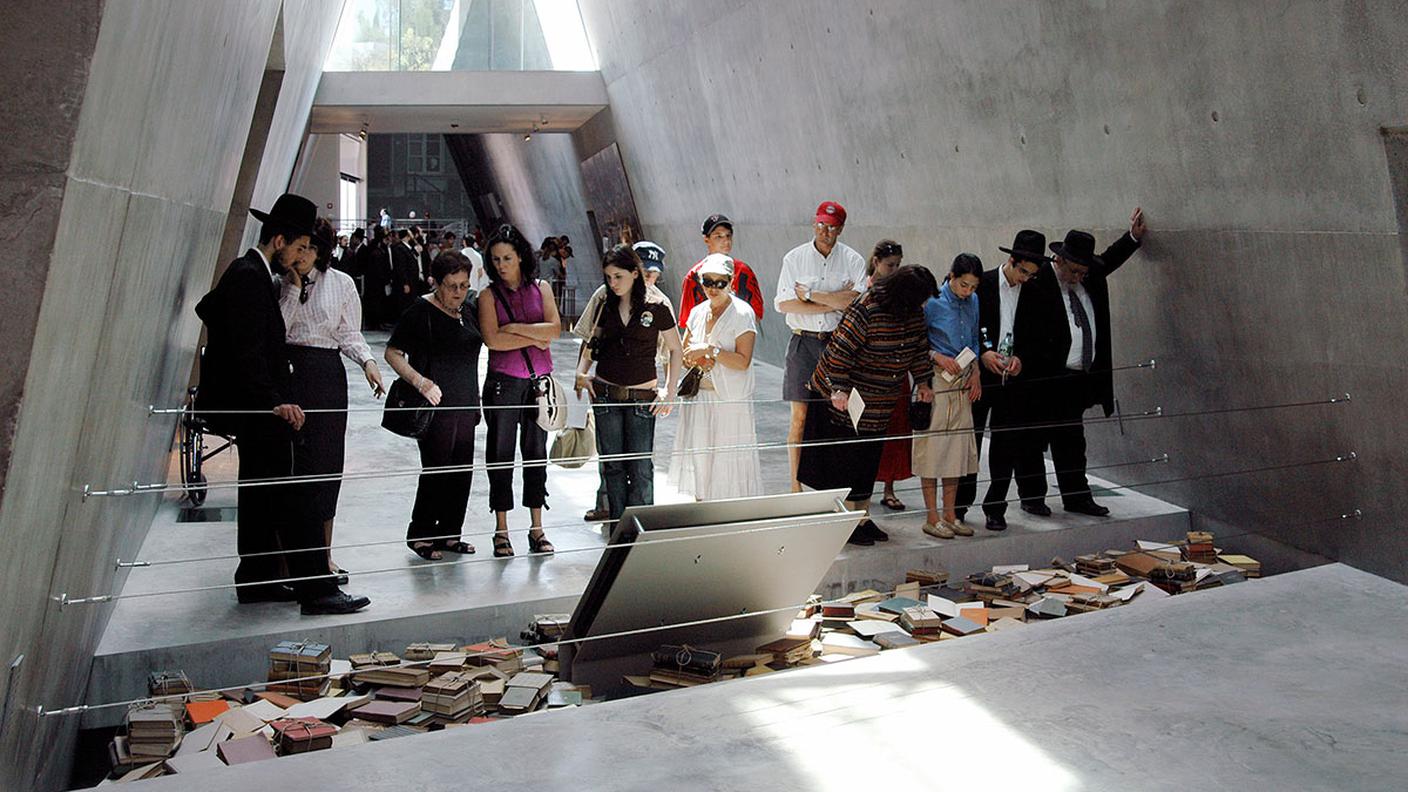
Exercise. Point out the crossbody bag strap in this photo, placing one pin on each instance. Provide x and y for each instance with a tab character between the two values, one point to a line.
499	296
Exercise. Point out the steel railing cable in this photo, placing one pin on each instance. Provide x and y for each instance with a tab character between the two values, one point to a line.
154	410
41	711
137	488
64	600
513	531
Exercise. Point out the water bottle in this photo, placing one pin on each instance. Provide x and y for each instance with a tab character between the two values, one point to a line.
1005	352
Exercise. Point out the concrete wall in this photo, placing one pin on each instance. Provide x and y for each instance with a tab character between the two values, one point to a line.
1250	133
138	113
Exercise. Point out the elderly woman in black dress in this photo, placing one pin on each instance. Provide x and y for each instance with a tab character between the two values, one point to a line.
323	320
435	347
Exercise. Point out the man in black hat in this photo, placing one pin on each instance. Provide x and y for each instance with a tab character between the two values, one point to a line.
718	238
1076	367
1005	320
245	367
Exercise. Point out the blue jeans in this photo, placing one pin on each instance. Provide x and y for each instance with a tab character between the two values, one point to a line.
626	430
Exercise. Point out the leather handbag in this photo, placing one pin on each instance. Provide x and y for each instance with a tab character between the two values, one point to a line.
549	396
407	411
573	447
920	413
689	383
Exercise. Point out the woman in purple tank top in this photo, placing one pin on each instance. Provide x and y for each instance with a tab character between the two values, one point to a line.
519	320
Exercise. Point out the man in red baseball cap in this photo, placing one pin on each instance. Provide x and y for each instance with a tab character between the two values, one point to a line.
818	280
718	238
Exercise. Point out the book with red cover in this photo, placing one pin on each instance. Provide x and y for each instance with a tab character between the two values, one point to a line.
201	712
392	712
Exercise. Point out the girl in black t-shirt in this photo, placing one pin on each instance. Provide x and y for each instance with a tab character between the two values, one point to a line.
626	393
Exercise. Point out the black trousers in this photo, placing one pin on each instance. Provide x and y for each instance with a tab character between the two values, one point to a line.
507	428
1066	399
441	498
1012	451
276	517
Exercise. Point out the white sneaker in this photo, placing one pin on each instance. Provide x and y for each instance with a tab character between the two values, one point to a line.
959	528
941	530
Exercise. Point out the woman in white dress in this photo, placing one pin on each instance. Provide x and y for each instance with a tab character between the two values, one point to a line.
719	337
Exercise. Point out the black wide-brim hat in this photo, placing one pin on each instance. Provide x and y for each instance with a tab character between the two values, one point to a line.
1079	247
1028	245
292	214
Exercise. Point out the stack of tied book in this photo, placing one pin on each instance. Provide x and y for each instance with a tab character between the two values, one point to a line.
301	735
1249	566
426	651
384	668
452	697
168	683
292	662
385	712
1199	548
546	628
496	653
1095	565
788	651
1175	577
525	691
153	731
685	666
990	585
920	620
926	577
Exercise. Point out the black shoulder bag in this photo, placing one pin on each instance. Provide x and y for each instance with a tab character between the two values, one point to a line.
407	411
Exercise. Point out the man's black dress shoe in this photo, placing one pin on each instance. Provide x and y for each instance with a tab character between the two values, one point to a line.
1088	506
960	513
860	537
873	531
996	522
337	602
1038	508
272	592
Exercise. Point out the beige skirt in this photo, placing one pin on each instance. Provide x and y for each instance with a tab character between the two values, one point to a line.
953	453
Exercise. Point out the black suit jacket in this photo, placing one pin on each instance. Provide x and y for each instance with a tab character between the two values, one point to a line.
1052	318
406	271
245	365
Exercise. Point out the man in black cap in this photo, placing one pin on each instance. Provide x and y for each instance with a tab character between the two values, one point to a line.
718	238
1005	319
1076	367
245	367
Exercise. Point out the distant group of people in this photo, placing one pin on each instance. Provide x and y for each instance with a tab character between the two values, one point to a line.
1024	348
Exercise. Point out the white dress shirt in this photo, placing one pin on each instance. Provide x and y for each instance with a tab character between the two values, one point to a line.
1007	296
1073	360
331	319
804	264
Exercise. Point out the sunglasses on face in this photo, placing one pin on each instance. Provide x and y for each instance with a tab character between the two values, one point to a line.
714	283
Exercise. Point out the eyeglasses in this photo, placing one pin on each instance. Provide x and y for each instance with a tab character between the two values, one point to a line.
827	228
889	249
504	231
714	283
456	287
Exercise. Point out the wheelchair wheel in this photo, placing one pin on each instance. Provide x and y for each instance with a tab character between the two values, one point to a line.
192	446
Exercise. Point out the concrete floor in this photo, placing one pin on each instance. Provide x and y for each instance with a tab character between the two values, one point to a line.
1290	682
218	642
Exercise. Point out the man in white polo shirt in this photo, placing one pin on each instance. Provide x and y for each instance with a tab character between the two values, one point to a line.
818	280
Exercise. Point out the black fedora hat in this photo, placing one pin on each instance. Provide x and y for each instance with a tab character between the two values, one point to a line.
1079	248
292	214
1028	245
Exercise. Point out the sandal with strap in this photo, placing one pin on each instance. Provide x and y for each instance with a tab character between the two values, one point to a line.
426	550
539	543
892	503
503	548
463	548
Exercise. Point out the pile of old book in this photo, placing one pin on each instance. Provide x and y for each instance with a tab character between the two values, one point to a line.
315	702
300	668
927	607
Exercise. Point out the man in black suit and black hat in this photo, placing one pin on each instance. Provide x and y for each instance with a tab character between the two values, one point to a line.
1010	333
1076	369
245	367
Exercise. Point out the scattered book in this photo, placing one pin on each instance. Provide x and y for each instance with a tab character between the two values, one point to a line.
243	750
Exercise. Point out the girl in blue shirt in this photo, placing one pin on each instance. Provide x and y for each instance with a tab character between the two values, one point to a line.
951	451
